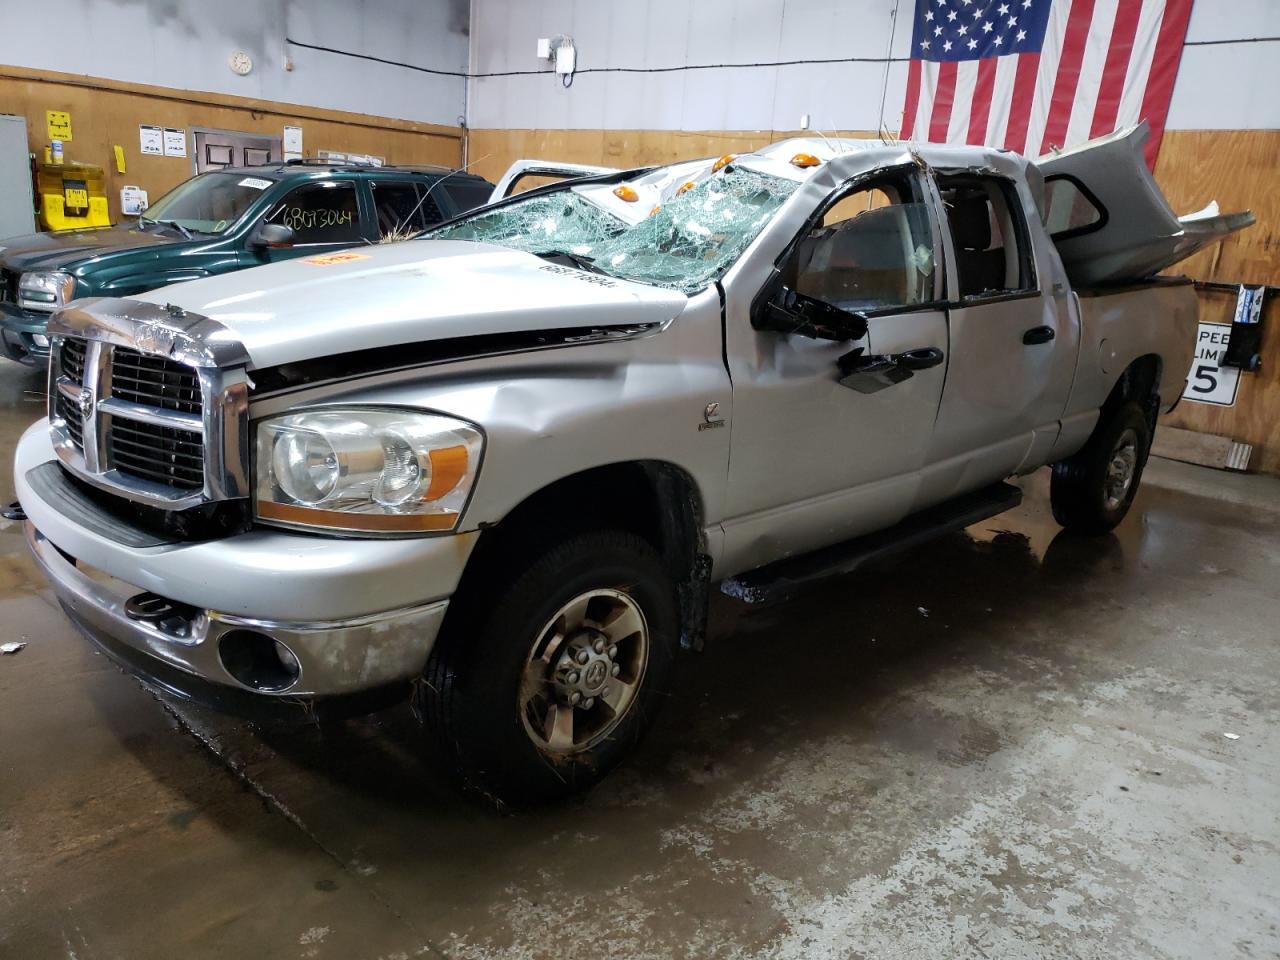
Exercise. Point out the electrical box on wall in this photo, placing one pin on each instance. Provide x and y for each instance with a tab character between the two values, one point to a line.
566	59
544	48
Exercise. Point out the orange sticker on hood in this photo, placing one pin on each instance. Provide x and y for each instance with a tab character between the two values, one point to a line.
331	258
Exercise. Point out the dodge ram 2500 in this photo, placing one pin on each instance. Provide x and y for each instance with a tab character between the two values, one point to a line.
499	469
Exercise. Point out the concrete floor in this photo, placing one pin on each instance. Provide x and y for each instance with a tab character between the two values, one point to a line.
1009	744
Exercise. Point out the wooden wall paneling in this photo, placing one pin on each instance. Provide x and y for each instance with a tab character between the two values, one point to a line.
104	113
1238	168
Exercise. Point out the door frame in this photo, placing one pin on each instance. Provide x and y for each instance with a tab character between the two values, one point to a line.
277	143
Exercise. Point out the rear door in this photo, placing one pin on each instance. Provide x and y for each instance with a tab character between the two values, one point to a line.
403	208
1013	338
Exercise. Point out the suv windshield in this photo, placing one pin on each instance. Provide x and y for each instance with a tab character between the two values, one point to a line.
687	240
209	203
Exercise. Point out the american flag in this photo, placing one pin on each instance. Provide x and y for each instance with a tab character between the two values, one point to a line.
1036	75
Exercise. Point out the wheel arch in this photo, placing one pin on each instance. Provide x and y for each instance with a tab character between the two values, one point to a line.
657	500
1139	382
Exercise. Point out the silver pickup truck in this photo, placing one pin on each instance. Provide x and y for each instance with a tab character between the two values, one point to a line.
499	469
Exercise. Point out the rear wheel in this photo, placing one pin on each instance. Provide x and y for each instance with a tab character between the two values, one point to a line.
537	693
1092	491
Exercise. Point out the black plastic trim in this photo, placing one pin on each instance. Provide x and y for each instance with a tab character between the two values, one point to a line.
404	356
782	578
51	484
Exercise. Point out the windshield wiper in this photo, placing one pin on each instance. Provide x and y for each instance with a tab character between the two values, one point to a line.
579	260
142	218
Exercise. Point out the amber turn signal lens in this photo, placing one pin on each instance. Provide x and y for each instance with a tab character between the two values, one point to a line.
448	467
686	187
805	160
626	193
724	161
654	211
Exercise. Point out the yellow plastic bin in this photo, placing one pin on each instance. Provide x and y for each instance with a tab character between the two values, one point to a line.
72	196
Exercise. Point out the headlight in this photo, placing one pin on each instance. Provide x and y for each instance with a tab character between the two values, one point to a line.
365	470
45	291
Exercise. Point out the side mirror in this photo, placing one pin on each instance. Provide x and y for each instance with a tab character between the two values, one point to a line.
787	311
272	236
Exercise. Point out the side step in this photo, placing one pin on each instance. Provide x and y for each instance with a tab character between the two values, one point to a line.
781	579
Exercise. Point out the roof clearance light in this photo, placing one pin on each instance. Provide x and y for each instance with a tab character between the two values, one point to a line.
654	211
686	187
724	161
805	160
626	193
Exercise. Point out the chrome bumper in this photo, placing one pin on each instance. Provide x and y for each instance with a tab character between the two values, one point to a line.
333	658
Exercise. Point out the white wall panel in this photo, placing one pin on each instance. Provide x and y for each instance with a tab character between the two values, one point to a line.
185	44
1229	86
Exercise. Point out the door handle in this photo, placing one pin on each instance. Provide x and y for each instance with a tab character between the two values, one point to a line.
921	359
1038	335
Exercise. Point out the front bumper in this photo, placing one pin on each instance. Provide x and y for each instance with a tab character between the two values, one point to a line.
18	332
355	615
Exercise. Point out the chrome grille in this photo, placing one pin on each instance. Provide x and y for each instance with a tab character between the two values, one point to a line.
9	285
149	402
154	381
71	361
68	411
160	454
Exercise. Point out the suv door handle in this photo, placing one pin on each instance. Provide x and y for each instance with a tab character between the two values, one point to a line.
1038	335
921	359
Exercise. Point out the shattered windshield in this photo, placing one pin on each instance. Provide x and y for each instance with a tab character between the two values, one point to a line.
688	238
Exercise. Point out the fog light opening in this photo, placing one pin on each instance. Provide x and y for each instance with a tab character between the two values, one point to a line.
258	661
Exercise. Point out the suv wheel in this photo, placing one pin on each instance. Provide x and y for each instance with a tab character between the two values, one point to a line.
540	691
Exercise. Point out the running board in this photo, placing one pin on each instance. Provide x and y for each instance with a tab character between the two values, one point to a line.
781	579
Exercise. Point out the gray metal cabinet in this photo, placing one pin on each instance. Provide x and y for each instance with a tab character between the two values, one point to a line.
16	217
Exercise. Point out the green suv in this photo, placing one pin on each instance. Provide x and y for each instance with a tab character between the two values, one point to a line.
217	222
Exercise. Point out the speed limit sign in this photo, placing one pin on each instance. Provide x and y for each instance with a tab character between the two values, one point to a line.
1207	382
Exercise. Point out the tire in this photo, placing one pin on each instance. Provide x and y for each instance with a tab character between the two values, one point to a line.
490	699
1092	491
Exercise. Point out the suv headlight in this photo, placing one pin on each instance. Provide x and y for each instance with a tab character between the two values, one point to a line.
46	291
365	470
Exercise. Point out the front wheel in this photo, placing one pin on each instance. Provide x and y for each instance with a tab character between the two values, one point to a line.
538	692
1092	491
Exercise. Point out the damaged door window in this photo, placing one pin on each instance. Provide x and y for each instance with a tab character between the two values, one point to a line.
688	238
990	238
873	251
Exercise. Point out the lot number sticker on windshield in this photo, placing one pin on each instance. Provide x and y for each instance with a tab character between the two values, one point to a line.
1208	382
256	182
331	258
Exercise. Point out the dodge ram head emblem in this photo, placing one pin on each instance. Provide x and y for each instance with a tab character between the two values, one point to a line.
711	417
84	402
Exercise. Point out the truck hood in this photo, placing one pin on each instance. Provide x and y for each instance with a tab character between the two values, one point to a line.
53	251
410	292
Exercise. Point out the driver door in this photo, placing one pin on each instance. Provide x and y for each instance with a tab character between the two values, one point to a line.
324	216
815	460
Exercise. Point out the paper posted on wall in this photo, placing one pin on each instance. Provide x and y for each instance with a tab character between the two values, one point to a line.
175	142
293	143
151	140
